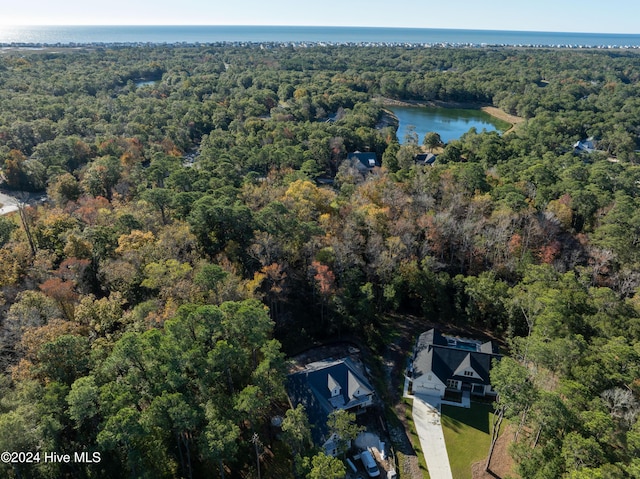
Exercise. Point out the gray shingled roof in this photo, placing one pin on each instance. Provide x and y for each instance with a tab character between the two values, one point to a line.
423	360
425	159
363	161
434	355
312	388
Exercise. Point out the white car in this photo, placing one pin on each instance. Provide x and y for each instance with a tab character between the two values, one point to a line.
369	464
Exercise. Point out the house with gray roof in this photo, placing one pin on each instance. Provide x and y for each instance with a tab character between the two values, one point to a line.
584	146
326	386
425	159
363	162
446	363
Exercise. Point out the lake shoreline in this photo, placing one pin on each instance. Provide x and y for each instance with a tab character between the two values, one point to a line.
495	112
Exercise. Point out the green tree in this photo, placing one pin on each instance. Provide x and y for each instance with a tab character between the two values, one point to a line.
343	424
580	452
406	156
172	416
161	199
101	177
220	437
297	432
516	394
123	435
452	153
432	140
390	157
63	189
6	228
64	359
219	222
487	295
326	467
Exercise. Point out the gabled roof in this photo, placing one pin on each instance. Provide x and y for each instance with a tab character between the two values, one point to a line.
455	361
489	348
429	338
464	365
586	146
363	161
448	358
425	159
423	361
357	388
312	387
332	383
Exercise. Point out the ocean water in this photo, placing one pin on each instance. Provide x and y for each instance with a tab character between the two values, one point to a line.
54	35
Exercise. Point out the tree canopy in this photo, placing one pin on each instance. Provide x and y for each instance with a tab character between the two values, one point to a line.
199	230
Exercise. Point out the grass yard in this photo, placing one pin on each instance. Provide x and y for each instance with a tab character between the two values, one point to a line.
467	436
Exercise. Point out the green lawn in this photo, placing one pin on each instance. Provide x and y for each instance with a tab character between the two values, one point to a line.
467	435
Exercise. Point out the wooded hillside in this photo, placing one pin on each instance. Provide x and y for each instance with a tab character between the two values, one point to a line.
186	248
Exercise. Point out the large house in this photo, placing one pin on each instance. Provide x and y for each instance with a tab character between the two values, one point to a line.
363	162
446	363
326	386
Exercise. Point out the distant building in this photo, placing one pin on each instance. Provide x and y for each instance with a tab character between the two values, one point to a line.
584	146
425	159
363	162
327	386
444	363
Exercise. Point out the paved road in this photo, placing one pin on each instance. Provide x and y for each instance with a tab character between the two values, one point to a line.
8	204
426	417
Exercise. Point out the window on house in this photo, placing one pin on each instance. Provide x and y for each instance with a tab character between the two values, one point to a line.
468	373
452	383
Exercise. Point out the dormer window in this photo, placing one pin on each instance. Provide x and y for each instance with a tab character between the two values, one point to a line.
334	386
372	163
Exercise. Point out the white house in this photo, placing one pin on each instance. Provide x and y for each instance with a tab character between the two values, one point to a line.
444	363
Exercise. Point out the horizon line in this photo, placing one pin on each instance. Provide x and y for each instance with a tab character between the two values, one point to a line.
312	26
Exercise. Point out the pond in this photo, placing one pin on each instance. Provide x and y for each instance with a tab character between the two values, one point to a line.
140	83
449	123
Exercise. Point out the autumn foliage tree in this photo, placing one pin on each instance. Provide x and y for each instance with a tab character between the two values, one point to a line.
63	293
326	284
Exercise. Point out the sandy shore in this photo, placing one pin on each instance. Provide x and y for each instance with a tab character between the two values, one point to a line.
504	116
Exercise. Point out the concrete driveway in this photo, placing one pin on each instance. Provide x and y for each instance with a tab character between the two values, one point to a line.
426	417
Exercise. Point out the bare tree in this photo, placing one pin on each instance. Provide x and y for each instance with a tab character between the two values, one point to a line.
24	218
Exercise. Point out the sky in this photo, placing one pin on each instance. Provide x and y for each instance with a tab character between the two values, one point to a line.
612	16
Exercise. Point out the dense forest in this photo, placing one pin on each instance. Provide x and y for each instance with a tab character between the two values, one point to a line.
187	248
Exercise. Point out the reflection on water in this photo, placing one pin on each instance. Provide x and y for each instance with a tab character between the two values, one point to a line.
449	123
